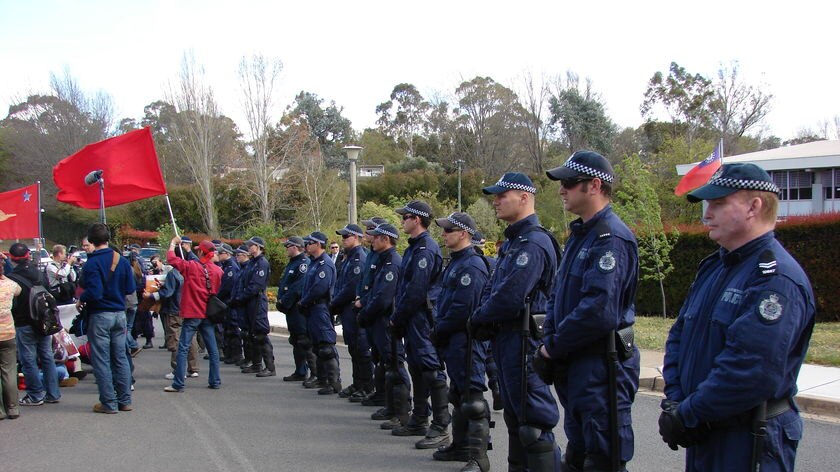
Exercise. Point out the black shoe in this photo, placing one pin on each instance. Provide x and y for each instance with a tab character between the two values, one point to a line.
348	391
206	356
436	437
411	430
266	373
148	345
330	389
452	453
477	465
381	414
374	400
358	396
295	377
79	374
252	369
162	346
313	382
243	362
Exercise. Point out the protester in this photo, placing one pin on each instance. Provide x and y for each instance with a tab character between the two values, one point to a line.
202	279
734	353
107	280
8	352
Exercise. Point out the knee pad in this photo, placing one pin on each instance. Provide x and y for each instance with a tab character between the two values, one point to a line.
326	351
475	409
530	437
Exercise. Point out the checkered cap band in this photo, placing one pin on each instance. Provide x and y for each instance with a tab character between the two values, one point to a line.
417	212
313	238
386	232
516	186
588	170
460	225
762	185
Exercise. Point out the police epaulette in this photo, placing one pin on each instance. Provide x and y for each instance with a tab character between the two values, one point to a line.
767	263
602	229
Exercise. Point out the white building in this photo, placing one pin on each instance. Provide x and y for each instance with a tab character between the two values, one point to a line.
808	175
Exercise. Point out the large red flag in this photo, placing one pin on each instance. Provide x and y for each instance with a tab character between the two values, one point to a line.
129	167
701	173
19	213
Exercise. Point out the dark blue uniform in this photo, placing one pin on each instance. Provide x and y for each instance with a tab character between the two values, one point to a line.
417	293
593	296
739	340
254	281
316	292
349	276
525	268
240	340
289	292
377	300
231	344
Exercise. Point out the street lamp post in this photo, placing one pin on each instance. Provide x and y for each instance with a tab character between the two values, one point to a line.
459	162
352	154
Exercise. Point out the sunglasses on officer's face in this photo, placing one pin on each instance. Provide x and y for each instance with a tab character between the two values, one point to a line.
451	230
569	184
408	216
345	236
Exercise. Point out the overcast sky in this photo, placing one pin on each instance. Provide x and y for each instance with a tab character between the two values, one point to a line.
355	52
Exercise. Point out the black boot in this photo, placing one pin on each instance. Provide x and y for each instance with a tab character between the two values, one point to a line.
478	432
437	434
387	411
400	402
458	450
331	374
267	354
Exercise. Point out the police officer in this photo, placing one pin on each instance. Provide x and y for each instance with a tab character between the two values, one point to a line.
288	295
230	269
523	274
314	303
413	319
349	275
593	298
478	242
377	398
462	283
240	343
375	308
253	297
740	337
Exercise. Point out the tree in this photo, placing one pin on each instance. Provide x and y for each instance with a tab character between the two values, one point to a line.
637	204
407	120
198	132
44	129
537	124
485	220
736	108
581	117
319	187
160	116
685	97
258	76
326	124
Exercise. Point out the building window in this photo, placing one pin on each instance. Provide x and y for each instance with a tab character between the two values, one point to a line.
831	183
794	184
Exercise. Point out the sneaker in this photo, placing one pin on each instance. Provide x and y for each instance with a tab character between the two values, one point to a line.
171	389
192	375
99	408
132	387
169	376
436	437
29	401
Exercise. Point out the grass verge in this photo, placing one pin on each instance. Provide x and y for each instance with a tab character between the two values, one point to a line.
652	332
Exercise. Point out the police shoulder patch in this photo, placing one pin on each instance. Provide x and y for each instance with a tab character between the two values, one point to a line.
389	276
322	274
522	259
230	273
261	273
357	270
422	263
607	262
302	268
770	306
466	280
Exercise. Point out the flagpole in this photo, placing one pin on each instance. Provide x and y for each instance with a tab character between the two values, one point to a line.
40	223
171	215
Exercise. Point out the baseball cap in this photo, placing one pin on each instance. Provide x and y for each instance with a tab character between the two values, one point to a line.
583	164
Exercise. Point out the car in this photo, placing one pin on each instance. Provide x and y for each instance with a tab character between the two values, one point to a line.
148	252
42	257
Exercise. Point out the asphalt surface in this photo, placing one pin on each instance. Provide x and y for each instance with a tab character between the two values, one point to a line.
253	424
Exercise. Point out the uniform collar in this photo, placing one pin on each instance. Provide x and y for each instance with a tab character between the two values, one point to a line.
580	227
731	258
299	256
418	238
466	252
515	229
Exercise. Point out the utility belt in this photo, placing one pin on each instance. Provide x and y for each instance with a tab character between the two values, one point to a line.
744	420
623	345
534	324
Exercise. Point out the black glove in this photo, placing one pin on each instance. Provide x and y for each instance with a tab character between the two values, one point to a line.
278	305
543	367
671	426
481	332
536	332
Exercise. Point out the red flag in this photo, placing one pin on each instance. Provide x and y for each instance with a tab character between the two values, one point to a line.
129	167
19	213
701	173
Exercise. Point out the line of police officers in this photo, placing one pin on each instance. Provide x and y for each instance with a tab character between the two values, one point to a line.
410	324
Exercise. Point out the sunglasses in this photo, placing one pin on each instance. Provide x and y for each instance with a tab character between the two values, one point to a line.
451	230
408	216
333	247
569	184
345	236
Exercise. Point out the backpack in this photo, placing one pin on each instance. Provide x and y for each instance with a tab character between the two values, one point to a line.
43	310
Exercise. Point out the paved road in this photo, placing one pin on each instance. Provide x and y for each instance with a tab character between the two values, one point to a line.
255	424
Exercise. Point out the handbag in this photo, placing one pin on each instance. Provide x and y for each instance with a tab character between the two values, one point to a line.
216	308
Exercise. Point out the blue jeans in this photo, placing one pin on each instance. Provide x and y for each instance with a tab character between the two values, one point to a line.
188	329
106	334
34	348
130	314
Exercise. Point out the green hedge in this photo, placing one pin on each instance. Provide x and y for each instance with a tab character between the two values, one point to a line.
812	241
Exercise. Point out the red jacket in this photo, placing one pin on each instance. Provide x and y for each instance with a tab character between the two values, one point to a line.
194	294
